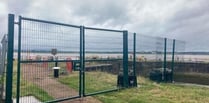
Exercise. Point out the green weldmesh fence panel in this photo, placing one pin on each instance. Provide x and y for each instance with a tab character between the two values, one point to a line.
169	50
132	59
37	76
179	65
190	67
149	54
103	60
131	53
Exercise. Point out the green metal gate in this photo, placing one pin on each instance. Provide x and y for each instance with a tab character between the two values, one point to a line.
37	39
55	62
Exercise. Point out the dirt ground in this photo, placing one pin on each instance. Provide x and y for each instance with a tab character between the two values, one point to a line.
40	75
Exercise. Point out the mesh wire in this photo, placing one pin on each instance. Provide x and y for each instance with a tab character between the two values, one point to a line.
102	45
169	50
37	78
103	60
190	67
149	55
131	53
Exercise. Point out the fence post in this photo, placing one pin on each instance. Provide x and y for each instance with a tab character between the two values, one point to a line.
9	71
83	60
134	54
164	64
18	61
134	57
173	54
125	58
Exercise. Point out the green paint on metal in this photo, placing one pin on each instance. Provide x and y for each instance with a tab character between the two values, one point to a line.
19	59
134	55
164	64
81	56
10	58
83	60
125	58
173	54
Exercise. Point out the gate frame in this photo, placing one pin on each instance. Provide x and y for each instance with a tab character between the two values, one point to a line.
10	55
19	57
125	60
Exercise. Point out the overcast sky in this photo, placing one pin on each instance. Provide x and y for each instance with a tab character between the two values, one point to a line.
186	20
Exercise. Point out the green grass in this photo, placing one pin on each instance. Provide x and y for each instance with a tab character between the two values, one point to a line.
148	92
28	88
94	81
71	80
151	92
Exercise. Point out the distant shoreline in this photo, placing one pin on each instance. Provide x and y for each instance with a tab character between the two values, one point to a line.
130	52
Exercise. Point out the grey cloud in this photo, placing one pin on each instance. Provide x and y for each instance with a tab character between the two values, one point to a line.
19	6
190	15
187	20
13	6
182	19
3	26
101	12
198	9
191	24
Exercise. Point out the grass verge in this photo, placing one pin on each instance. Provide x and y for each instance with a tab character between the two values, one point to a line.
94	81
147	92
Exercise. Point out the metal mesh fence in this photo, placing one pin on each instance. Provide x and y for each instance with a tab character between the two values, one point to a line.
131	53
44	46
169	50
179	68
103	59
149	54
55	61
189	66
169	60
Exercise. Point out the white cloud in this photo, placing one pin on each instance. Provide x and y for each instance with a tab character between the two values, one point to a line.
181	19
3	8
